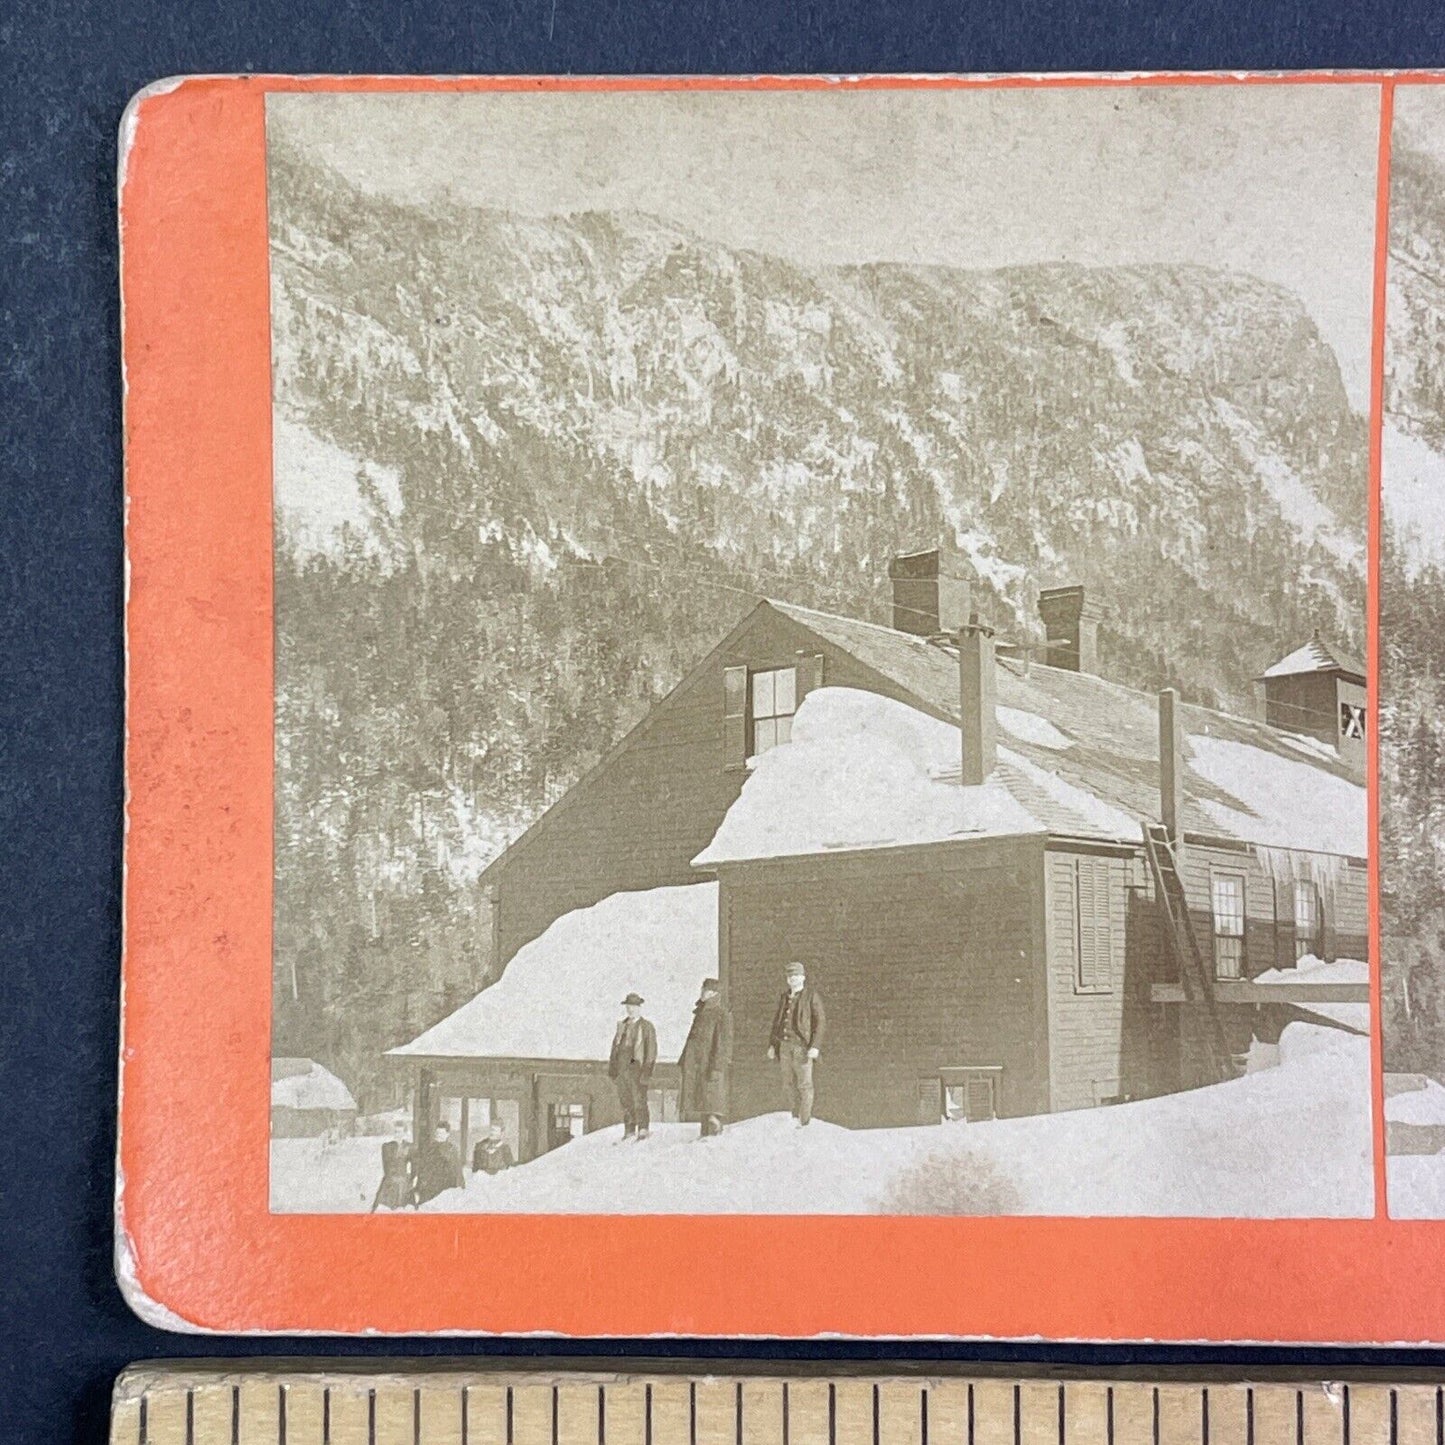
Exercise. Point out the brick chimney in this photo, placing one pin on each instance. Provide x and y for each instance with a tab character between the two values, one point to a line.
931	592
1171	767
1071	621
977	685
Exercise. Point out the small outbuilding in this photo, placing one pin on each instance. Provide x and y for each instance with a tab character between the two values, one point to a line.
307	1100
530	1051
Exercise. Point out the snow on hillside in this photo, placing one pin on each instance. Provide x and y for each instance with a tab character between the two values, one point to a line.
317	491
560	997
1287	1141
1299	505
1412	488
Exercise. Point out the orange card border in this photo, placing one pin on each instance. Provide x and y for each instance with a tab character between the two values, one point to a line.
196	1244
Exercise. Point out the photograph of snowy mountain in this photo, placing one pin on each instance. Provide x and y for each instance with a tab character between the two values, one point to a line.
819	649
1412	662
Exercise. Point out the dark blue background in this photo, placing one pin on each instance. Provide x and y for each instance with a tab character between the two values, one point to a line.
66	72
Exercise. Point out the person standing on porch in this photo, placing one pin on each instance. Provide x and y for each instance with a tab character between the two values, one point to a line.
797	1039
633	1058
704	1061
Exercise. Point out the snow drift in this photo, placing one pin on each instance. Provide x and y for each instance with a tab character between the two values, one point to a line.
1289	1141
561	995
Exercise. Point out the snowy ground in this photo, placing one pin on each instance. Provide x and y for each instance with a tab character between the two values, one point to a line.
1415	1183
1292	1140
314	1176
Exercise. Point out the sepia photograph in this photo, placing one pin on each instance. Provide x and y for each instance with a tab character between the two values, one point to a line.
1412	662
820	651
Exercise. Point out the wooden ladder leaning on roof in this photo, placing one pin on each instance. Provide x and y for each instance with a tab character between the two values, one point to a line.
1195	974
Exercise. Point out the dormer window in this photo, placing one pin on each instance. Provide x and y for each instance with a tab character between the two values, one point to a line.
774	701
759	703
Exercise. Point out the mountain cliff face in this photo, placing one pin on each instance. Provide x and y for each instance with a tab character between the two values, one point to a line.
530	468
1412	621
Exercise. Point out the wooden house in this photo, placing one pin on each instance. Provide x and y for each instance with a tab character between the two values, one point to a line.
1019	886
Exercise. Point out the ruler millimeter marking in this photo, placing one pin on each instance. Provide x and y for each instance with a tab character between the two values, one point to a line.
299	1405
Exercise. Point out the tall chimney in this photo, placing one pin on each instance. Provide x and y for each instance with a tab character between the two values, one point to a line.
977	685
1171	767
931	592
1071	621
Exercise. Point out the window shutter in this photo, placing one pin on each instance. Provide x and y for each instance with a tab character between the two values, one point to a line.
979	1101
735	717
810	673
1096	928
1088	944
1104	925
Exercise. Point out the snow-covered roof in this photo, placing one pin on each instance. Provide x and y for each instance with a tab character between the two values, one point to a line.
1278	802
561	995
1068	736
1316	656
1314	970
1317	971
304	1084
865	771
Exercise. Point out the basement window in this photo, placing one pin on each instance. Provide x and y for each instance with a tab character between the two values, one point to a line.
1228	897
567	1120
962	1095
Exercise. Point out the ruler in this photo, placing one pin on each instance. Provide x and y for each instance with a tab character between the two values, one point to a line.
661	1405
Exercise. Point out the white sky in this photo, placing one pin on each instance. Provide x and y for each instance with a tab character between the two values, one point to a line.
1278	181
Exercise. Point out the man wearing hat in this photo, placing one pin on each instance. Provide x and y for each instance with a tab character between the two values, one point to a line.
634	1055
797	1038
705	1059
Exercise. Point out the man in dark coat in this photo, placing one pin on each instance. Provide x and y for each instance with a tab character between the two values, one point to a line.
705	1059
438	1167
493	1153
633	1058
797	1039
397	1189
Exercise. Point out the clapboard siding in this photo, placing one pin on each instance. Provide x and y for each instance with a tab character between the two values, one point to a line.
1269	907
639	819
1092	1011
925	960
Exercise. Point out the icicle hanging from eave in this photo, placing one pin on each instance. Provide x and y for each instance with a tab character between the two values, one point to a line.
1286	865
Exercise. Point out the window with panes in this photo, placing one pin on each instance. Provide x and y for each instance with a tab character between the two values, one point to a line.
1308	919
774	701
1228	891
